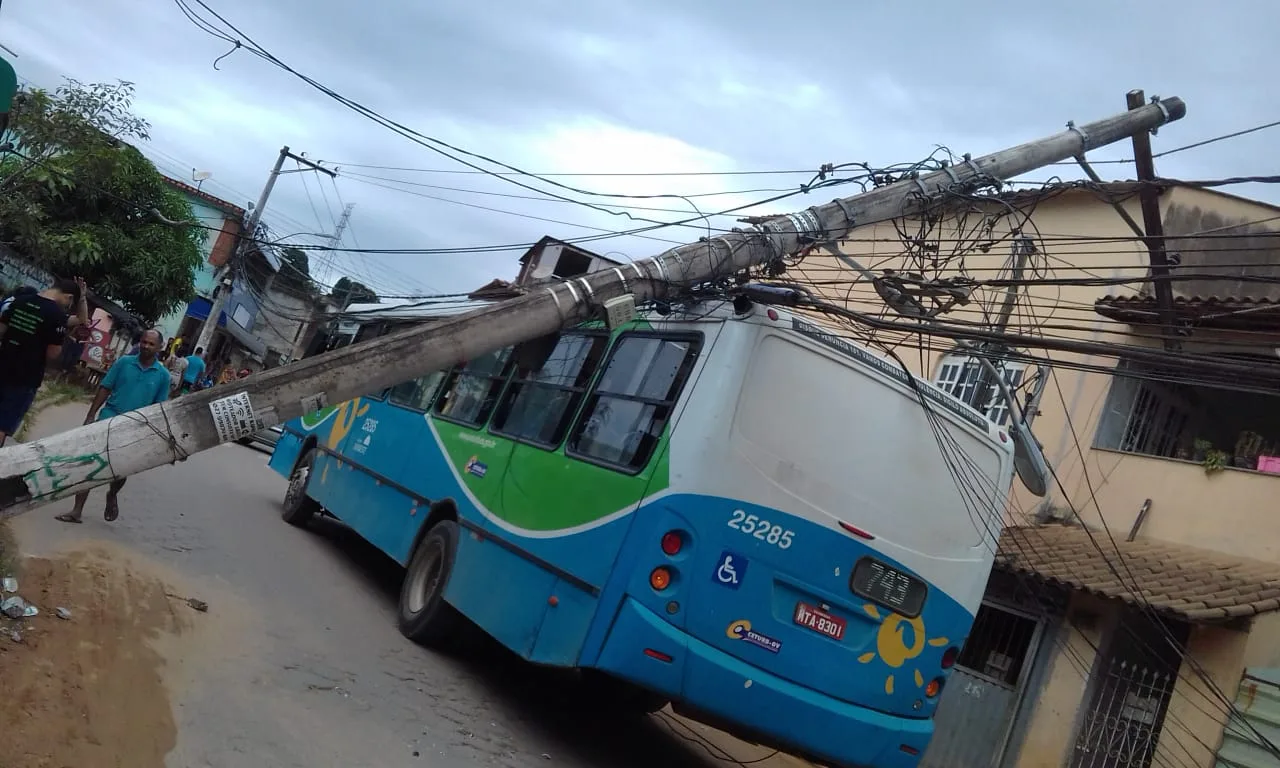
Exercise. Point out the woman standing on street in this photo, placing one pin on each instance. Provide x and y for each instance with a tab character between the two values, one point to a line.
177	366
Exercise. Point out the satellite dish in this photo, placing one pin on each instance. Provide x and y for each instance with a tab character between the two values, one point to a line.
201	175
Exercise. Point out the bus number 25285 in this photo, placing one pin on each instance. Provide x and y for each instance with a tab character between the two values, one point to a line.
761	529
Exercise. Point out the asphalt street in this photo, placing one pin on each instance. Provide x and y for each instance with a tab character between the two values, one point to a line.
298	661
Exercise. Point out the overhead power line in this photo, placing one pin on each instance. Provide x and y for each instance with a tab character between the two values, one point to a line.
561	174
1194	145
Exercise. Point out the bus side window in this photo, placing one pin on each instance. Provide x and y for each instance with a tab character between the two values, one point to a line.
471	391
539	405
417	393
627	412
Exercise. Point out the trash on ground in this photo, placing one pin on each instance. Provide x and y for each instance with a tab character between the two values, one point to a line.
15	636
63	614
13	607
30	611
10	584
196	605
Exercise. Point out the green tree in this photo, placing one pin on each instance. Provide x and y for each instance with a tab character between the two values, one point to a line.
347	292
77	199
295	272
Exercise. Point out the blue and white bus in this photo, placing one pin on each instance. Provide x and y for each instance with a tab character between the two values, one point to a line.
733	510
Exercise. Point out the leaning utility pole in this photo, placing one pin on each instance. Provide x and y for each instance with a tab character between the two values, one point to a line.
1149	198
35	473
226	276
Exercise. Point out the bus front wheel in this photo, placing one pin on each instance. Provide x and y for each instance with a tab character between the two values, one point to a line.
425	616
298	506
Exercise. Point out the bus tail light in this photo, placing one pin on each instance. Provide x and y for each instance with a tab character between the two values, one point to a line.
949	658
933	688
672	543
660	578
855	530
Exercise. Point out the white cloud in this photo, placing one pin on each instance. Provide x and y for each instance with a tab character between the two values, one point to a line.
631	86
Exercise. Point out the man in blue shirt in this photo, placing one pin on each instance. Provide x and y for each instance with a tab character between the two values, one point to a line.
194	372
133	382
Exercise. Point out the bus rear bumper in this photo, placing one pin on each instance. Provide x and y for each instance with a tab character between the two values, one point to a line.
751	702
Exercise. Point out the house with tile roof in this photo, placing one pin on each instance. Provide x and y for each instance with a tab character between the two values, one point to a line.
1133	614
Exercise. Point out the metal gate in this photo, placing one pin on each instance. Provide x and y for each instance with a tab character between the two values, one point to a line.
1132	681
976	711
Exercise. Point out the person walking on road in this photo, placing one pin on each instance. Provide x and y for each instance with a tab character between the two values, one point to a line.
135	381
32	329
177	365
195	368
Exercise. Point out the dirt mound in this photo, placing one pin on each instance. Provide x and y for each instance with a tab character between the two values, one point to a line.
87	690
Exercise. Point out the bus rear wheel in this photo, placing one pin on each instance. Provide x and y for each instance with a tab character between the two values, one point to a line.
298	506
425	616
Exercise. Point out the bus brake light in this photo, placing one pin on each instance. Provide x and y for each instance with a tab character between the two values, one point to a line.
933	688
855	530
949	658
671	543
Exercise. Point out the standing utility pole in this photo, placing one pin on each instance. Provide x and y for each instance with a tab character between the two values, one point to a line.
35	473
991	376
1149	197
226	276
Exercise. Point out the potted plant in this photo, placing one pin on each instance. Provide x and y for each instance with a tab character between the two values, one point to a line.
1215	461
1200	449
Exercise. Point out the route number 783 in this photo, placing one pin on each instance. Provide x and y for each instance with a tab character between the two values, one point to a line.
761	529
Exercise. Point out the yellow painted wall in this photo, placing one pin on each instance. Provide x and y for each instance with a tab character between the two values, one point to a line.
1231	511
1224	512
1051	730
1193	724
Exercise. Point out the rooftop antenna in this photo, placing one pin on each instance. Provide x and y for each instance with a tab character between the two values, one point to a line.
199	177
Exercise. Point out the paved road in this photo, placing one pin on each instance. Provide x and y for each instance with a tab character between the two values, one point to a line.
299	662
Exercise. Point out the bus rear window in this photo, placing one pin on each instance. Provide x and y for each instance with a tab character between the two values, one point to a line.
471	392
847	443
627	412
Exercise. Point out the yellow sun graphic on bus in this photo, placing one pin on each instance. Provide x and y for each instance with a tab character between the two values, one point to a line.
896	645
348	412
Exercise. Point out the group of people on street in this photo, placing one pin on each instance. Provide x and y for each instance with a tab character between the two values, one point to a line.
33	328
190	372
186	372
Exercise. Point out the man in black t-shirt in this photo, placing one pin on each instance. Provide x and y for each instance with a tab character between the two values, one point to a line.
32	329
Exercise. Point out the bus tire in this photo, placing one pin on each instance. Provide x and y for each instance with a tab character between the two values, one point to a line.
425	617
299	508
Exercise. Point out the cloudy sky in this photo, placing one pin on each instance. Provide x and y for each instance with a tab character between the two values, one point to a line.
626	87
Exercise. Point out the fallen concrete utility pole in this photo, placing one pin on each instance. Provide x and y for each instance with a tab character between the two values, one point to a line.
36	473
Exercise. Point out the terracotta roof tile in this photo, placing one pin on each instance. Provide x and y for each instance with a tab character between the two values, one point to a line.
1194	584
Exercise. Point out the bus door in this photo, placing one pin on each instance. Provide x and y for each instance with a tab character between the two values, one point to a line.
383	498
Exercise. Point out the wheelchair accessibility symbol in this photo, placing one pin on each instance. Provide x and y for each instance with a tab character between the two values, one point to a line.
731	569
